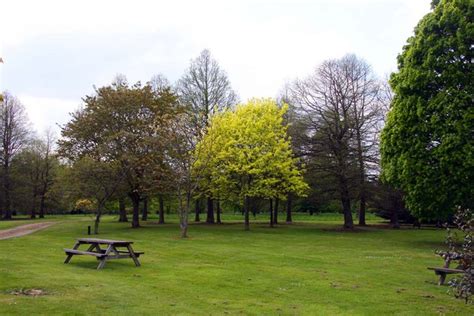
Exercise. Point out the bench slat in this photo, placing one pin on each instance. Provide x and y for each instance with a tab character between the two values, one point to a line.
80	252
447	270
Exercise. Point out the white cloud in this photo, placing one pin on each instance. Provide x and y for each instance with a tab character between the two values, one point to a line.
48	113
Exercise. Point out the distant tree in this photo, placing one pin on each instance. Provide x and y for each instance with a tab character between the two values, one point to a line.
95	180
48	169
246	153
206	90
33	171
182	161
427	144
14	134
129	125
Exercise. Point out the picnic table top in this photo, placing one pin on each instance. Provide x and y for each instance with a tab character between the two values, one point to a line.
103	241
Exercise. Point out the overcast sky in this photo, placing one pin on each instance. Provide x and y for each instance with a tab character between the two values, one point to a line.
55	51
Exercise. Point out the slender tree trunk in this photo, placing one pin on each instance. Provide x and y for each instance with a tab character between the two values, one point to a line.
122	211
218	212
288	210
42	205
183	213
6	188
271	212
136	210
275	211
362	210
197	210
360	158
161	210
97	218
145	209
210	211
33	213
246	213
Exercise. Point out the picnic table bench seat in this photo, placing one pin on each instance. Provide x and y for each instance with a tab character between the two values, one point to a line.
81	252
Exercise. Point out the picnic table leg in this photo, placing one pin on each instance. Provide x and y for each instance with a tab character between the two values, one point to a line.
104	258
69	256
132	255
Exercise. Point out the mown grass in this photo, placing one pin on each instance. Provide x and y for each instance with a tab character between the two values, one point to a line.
310	267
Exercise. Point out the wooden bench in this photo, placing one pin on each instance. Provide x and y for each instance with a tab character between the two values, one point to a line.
445	270
442	272
112	250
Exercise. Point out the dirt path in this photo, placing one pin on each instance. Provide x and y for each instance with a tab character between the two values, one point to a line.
24	230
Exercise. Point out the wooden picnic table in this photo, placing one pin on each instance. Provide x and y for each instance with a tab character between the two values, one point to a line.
104	250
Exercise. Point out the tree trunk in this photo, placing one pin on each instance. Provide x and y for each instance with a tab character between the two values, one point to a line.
161	210
197	210
122	211
271	213
97	219
33	212
288	210
96	224
218	212
136	210
6	188
394	219
246	213
183	213
145	209
210	211
360	156
346	208
275	211
42	206
362	210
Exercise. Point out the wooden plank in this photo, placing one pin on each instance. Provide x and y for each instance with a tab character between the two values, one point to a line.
80	252
446	270
104	241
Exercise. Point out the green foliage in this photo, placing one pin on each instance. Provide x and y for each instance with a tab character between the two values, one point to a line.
246	153
427	144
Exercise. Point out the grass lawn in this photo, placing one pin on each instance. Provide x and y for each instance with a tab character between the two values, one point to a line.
307	268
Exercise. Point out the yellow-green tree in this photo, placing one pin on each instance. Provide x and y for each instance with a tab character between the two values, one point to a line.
246	153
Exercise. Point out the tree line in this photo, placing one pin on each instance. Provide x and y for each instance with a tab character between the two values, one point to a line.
315	147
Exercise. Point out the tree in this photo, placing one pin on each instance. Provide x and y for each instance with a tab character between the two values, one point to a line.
427	146
206	90
48	169
32	174
246	153
129	125
325	99
91	179
13	133
182	161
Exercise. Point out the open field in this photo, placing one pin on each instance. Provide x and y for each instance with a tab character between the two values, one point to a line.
308	268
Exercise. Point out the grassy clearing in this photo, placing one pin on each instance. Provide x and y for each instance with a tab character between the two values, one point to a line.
310	267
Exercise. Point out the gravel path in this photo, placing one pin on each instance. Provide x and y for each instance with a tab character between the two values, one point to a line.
24	230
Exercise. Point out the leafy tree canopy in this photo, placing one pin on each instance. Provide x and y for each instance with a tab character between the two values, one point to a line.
427	143
246	153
